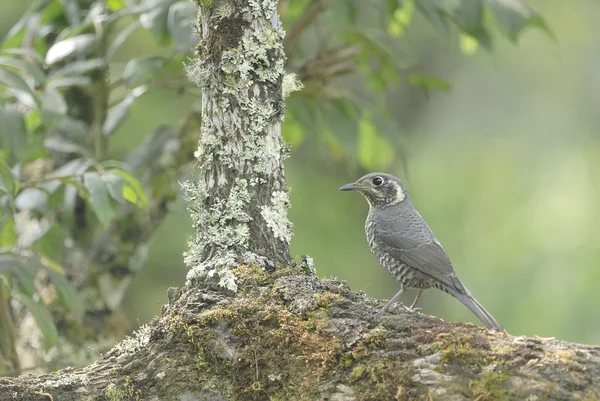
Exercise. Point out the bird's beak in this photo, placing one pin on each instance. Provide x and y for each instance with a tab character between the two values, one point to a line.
348	187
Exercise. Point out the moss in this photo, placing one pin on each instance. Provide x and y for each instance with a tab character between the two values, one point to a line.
326	299
590	396
457	344
205	4
489	386
126	393
384	380
270	352
271	345
251	276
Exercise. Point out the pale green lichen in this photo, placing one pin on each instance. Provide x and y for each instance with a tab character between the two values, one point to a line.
240	63
224	10
137	340
276	216
290	84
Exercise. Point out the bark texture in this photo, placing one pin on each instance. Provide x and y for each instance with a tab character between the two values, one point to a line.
239	201
290	336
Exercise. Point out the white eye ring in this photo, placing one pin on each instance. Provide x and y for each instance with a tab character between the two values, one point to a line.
377	181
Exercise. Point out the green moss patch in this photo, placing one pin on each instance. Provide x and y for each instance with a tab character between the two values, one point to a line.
269	350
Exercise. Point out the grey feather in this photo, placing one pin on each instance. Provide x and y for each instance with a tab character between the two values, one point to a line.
406	237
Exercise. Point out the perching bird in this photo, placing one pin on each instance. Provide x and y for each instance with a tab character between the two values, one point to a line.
405	246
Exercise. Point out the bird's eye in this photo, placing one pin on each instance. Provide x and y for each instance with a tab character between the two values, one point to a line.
377	181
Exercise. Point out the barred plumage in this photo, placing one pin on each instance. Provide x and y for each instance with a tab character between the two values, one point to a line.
404	245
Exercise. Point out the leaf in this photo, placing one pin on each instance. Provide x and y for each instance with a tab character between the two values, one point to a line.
156	22
14	266
72	168
78	68
468	44
151	147
32	199
13	134
117	114
71	11
72	31
514	16
63	145
142	70
16	83
68	296
81	45
99	197
42	318
433	15
375	153
115	5
132	190
120	39
428	82
10	183
54	107
14	37
68	82
469	17
181	16
114	184
25	52
26	66
74	129
8	237
51	244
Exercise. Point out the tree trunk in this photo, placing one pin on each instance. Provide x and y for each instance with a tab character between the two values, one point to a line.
239	202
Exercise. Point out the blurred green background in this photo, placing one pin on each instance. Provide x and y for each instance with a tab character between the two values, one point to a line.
504	167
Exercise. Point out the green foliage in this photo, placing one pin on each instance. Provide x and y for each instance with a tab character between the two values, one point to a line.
59	103
362	56
66	89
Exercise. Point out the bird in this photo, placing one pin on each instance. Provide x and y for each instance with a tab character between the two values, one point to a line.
405	246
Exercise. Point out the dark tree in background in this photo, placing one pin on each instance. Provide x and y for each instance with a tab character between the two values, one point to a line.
249	323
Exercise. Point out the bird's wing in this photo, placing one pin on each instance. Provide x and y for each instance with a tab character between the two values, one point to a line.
407	238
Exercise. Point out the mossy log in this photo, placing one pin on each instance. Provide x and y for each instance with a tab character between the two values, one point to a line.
289	335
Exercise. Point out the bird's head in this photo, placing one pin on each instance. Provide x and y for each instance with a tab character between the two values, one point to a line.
379	189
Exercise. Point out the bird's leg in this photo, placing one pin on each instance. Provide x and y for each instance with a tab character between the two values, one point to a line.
391	301
412	307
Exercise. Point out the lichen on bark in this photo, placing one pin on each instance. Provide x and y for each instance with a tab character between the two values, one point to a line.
238	199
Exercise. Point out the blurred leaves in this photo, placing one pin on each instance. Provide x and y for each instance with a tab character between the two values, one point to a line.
142	71
118	112
428	82
99	197
81	45
375	153
381	63
66	90
42	317
514	16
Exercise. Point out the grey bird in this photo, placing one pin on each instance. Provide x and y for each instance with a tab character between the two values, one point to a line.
404	245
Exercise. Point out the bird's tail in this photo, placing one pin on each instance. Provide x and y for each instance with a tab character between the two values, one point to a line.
467	299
